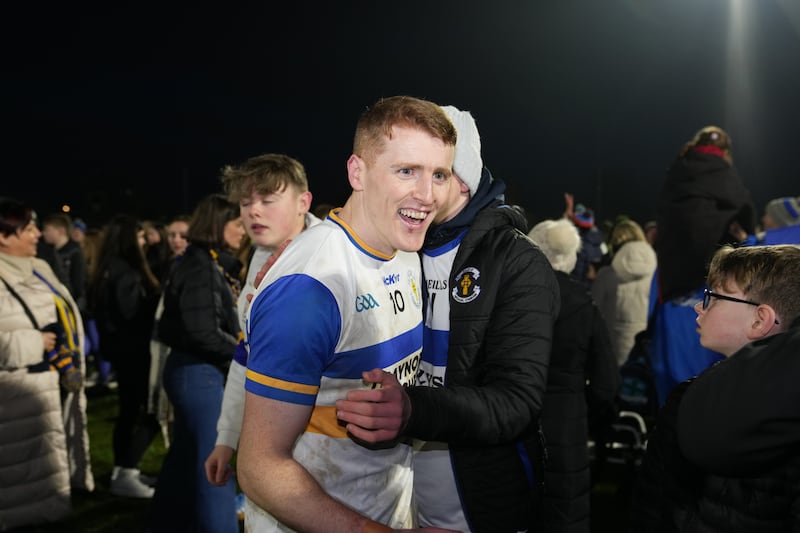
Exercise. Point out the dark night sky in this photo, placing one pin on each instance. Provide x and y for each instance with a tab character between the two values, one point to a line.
137	108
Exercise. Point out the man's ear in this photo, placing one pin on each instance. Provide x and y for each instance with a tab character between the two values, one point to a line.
764	323
355	172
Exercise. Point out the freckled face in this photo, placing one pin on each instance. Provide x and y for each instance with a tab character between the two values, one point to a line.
403	187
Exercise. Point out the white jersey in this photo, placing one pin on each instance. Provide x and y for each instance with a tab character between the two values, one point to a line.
229	424
436	496
329	309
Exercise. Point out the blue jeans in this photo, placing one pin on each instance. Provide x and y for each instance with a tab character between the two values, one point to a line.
184	499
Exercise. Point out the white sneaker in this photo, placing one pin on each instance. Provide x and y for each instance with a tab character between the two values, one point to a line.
150	481
125	482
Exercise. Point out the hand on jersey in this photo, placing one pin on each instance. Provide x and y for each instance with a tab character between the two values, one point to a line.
378	414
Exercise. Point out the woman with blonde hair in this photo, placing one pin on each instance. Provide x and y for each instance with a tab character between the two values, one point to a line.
622	288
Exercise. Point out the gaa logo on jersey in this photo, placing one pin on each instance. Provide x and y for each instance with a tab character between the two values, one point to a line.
466	287
413	286
365	302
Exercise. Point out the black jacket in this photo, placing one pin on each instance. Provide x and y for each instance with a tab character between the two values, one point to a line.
702	195
724	452
583	379
72	259
754	394
199	307
488	410
123	305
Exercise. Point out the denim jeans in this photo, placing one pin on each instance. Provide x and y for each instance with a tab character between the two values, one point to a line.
184	499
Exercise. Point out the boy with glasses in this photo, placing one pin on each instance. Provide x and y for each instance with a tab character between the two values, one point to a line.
723	455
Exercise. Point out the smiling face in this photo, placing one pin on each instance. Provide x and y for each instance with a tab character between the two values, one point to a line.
21	243
176	236
398	191
724	326
272	219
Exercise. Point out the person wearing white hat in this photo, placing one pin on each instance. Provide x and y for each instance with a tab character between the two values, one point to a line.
491	301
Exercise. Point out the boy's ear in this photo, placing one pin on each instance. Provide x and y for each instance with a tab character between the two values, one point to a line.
764	323
304	199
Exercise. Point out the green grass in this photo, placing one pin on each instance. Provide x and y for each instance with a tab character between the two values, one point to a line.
100	511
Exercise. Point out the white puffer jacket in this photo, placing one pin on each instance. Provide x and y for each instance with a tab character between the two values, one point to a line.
35	457
622	292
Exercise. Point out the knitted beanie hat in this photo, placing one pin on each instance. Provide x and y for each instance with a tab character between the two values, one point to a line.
468	163
784	211
583	217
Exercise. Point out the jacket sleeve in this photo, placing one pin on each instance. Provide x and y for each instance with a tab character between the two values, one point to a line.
229	424
496	396
78	277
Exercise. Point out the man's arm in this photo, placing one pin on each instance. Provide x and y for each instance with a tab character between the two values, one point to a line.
274	481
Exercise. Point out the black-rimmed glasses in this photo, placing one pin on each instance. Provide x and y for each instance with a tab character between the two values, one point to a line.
708	294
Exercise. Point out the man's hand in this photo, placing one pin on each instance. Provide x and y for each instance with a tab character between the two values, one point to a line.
378	414
218	469
569	205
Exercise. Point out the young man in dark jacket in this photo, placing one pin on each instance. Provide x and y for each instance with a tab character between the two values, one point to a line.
492	299
723	455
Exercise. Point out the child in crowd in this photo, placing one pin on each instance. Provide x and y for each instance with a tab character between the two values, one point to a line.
723	455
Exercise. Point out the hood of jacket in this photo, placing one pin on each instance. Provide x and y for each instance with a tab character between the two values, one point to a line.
634	260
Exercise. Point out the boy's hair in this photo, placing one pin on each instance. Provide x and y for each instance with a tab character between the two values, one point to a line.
263	174
58	220
765	274
375	124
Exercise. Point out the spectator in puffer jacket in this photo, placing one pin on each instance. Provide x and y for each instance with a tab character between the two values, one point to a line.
581	385
622	289
44	446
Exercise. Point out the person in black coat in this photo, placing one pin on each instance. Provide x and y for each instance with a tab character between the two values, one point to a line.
491	300
123	296
702	202
702	197
201	327
582	382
